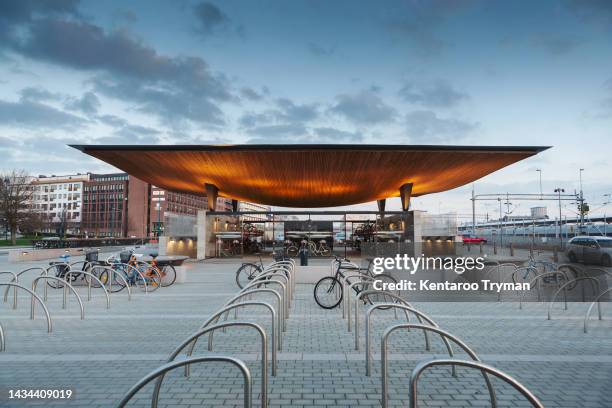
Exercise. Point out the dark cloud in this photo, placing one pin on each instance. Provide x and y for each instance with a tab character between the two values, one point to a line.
365	107
419	22
439	94
285	133
289	111
125	132
174	88
321	51
557	44
251	94
333	135
427	127
16	12
592	10
210	17
39	94
30	114
88	103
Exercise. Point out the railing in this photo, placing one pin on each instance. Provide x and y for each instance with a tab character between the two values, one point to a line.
406	309
66	286
246	374
552	302
588	312
199	333
422	366
443	334
34	296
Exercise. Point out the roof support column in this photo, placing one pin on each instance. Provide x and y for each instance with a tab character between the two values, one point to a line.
381	204
212	192
235	205
405	193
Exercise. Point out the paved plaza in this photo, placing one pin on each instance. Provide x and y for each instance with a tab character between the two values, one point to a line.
102	356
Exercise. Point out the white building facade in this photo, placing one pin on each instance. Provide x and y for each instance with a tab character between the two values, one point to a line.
59	200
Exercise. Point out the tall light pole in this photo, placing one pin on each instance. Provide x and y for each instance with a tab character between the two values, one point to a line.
541	193
581	202
559	191
606	202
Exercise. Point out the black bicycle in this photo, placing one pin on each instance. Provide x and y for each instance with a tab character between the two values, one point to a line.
328	291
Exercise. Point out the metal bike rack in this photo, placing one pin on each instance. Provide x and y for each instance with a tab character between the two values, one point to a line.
46	273
347	287
552	302
213	319
406	309
65	297
588	312
112	274
499	274
261	280
16	278
537	279
2	341
188	340
527	270
285	266
246	374
420	367
14	289
34	295
443	334
279	302
282	273
393	296
89	285
136	270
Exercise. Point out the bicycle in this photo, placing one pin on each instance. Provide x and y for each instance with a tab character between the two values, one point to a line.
135	272
248	271
321	250
328	291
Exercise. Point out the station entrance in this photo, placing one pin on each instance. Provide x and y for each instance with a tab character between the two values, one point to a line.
323	233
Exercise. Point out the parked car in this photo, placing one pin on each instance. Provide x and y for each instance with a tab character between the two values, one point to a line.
473	240
590	250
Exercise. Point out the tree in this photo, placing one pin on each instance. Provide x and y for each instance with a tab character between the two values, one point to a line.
15	199
62	225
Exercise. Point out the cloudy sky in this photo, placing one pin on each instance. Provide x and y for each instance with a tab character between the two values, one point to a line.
405	72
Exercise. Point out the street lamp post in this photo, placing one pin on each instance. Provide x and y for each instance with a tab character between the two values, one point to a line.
581	202
158	219
559	191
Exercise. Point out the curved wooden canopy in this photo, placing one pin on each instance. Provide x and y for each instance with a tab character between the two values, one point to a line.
309	176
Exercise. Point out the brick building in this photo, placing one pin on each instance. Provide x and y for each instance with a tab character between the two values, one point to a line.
105	205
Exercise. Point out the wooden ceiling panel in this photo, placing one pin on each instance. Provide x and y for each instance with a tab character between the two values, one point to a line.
309	176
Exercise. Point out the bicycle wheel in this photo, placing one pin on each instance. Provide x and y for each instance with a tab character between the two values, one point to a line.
168	275
292	250
328	292
111	280
246	273
152	276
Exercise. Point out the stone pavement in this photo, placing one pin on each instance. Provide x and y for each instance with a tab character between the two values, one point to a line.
102	356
